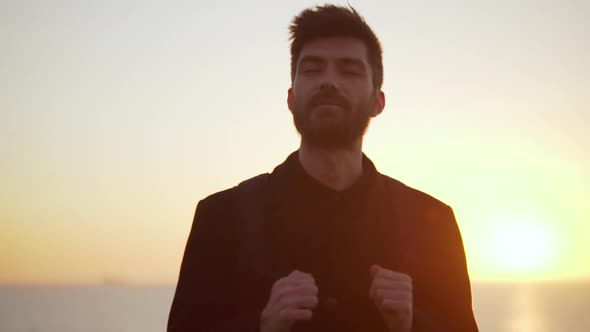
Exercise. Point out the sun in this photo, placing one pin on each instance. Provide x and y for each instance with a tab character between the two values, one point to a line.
521	245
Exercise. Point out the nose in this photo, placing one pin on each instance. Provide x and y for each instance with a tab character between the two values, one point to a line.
329	79
327	86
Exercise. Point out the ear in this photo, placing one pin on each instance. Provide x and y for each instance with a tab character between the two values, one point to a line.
379	103
290	97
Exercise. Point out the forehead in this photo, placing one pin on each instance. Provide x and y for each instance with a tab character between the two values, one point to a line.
336	48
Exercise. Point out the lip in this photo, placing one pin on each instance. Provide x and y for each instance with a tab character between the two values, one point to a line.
327	110
329	103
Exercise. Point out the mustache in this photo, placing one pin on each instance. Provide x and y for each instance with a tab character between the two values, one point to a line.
329	96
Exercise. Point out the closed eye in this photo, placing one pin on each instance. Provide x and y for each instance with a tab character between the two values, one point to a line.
311	65
311	70
352	72
352	67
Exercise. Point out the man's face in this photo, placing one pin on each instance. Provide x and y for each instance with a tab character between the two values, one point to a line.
333	98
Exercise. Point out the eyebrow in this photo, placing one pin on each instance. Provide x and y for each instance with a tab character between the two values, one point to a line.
351	61
356	63
311	58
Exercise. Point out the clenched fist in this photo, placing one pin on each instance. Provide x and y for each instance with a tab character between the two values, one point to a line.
392	294
292	298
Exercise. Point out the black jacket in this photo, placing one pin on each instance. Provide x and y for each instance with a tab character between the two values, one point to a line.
228	268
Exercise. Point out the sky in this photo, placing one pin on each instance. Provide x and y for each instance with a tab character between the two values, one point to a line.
117	117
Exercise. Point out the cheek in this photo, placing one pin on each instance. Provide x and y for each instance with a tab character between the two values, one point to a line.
357	90
303	87
300	97
361	98
296	103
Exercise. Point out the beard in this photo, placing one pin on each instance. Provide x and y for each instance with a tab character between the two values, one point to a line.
324	126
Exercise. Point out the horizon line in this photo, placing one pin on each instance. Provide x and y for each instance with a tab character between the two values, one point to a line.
128	283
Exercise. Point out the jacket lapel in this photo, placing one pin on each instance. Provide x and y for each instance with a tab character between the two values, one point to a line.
396	217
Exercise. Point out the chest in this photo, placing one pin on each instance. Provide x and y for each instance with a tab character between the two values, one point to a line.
334	240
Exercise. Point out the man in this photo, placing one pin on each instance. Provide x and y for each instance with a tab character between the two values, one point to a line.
325	242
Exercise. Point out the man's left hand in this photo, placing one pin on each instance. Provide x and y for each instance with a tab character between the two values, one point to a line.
392	294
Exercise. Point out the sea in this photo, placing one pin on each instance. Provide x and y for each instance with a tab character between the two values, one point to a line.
498	307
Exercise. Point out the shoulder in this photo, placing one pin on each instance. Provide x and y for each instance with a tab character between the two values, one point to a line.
429	207
217	200
421	197
224	198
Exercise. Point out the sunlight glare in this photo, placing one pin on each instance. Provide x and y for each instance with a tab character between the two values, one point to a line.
522	245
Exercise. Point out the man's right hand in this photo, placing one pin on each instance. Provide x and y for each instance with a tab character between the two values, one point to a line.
292	298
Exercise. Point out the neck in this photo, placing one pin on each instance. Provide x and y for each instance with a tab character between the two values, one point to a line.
337	169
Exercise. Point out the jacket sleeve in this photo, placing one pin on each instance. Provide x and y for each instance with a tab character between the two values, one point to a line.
442	289
208	290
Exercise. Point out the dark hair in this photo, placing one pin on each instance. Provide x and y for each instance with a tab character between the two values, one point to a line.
333	21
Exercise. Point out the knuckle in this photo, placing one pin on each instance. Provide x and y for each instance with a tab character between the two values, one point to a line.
276	285
296	274
304	290
314	301
314	290
280	283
